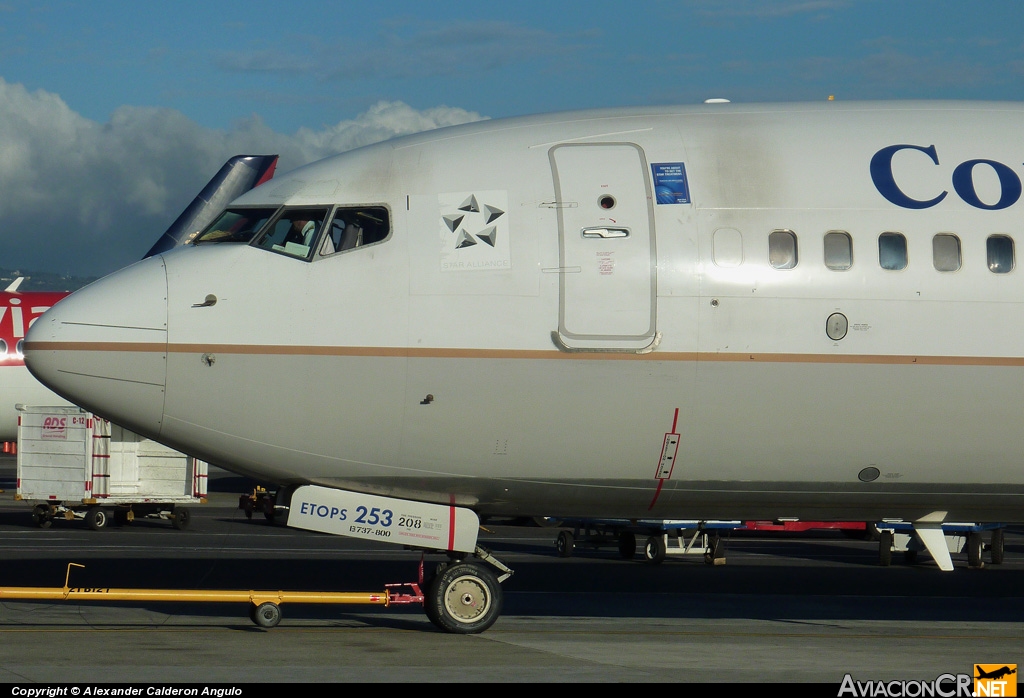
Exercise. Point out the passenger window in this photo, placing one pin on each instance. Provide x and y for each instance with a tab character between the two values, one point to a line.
294	231
355	227
946	252
782	249
892	251
235	225
838	250
1000	254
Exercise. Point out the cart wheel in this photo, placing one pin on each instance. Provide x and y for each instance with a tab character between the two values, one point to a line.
97	518
974	549
247	509
465	598
885	548
910	557
266	615
564	544
627	545
654	550
181	518
41	516
998	546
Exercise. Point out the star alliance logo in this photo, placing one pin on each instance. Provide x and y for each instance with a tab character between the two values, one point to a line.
474	231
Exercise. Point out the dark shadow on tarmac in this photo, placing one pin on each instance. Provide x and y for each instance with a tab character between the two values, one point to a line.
592	588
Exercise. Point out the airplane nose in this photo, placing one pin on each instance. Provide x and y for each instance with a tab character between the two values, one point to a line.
104	347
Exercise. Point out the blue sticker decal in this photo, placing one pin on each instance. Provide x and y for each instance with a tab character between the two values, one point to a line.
670	186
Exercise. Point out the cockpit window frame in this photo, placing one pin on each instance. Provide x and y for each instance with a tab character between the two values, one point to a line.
340	210
323	213
198	239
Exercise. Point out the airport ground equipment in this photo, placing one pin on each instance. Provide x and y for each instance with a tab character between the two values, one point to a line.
462	597
906	537
264	606
75	465
259	500
663	537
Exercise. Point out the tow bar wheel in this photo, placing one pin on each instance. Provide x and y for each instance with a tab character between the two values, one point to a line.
266	615
464	598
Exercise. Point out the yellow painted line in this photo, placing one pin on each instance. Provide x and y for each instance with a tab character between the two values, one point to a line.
524	354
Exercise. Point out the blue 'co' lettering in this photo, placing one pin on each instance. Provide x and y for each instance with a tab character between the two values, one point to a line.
885	181
882	177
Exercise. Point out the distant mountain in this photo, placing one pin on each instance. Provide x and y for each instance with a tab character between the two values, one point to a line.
43	280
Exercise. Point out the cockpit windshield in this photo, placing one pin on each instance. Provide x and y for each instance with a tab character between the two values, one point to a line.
235	225
298	231
294	232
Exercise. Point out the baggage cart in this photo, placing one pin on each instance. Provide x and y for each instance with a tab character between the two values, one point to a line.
73	465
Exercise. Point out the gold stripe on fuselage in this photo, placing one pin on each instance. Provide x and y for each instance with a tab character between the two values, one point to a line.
523	354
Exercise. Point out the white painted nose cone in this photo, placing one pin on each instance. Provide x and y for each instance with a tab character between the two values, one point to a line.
105	347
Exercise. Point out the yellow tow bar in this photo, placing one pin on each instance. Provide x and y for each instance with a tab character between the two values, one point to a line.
264	606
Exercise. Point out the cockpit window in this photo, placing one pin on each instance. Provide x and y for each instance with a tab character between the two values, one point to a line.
235	225
355	227
294	231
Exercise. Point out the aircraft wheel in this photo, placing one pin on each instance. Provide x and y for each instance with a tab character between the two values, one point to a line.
266	615
654	550
564	544
465	598
181	518
627	545
41	516
998	546
97	518
885	548
974	549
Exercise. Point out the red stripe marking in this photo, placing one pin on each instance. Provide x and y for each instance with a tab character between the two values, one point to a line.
451	523
661	481
658	492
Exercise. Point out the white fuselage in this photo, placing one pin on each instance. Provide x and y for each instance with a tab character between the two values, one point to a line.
551	301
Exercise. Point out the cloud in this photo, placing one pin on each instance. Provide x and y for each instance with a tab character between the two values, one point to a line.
82	197
765	9
408	50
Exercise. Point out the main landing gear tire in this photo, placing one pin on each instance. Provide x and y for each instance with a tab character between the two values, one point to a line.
654	550
627	545
564	544
41	516
97	518
266	615
464	598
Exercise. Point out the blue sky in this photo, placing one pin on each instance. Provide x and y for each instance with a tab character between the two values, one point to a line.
128	108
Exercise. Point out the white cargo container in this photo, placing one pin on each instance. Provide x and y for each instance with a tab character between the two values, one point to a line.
74	465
